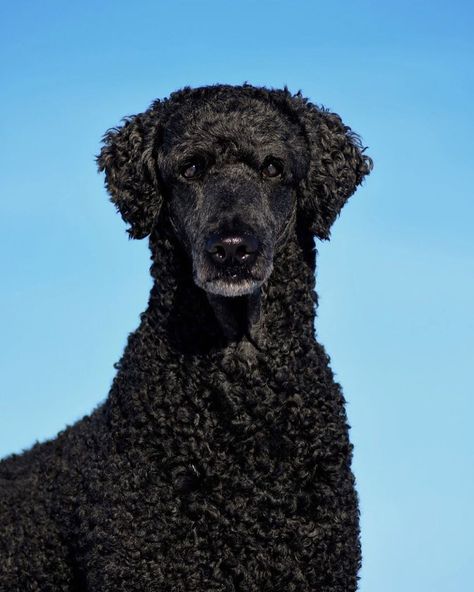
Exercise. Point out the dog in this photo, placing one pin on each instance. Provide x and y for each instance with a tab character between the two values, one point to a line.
220	460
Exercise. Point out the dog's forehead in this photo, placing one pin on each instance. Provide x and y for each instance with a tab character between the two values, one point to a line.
253	122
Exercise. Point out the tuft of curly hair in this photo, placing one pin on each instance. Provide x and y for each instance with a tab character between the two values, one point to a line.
220	460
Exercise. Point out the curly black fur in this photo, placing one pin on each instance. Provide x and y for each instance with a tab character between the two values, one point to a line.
220	460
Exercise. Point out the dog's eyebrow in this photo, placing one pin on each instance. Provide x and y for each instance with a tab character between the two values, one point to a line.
252	153
186	150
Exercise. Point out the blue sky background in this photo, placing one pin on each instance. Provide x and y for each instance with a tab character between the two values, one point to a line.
396	282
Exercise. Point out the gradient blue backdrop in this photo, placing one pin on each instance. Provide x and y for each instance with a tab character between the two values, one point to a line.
396	281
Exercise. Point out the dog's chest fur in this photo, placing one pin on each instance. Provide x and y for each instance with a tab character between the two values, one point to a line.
213	472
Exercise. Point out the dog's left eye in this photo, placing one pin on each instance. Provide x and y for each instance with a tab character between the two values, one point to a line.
272	168
192	169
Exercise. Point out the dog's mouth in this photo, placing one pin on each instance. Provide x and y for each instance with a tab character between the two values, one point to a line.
232	281
231	286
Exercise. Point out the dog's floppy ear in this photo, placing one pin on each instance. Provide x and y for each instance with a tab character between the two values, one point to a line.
127	158
337	166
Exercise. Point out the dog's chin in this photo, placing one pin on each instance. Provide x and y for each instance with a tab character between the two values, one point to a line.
231	282
230	287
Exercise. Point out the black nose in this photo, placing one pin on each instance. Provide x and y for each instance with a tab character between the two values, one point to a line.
232	249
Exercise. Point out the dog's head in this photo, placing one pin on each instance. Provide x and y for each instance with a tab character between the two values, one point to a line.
232	167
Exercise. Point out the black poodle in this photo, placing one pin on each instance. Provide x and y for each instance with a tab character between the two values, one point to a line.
220	460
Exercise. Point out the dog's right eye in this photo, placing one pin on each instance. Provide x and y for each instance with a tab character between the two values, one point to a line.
272	168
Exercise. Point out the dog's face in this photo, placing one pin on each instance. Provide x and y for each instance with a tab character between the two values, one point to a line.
232	167
230	174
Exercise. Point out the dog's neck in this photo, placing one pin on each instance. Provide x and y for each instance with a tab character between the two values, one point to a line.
192	321
187	338
239	317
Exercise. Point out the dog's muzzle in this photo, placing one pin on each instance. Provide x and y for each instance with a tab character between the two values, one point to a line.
232	264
